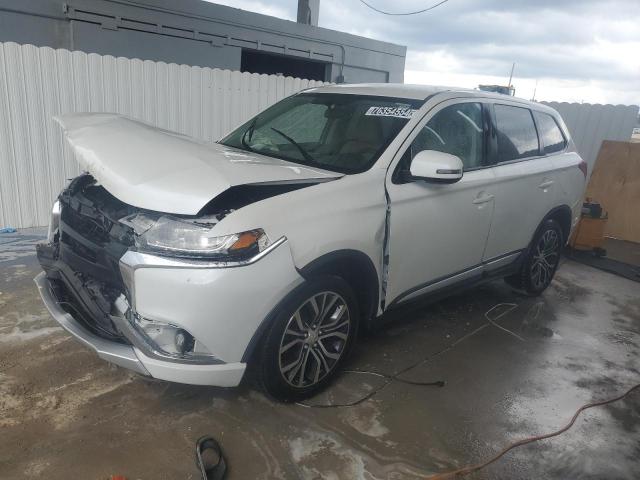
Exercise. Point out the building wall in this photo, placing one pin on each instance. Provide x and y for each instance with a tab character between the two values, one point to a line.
194	32
590	124
37	83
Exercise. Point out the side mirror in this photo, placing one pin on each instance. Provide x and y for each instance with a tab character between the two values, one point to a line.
434	166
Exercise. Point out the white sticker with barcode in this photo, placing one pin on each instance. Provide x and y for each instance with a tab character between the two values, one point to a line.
398	112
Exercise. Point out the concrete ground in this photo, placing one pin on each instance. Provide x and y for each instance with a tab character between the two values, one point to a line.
66	414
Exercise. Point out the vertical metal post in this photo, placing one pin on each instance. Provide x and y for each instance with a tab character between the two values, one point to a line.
308	11
513	66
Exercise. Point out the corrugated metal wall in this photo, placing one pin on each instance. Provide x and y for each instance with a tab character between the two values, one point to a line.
590	124
38	83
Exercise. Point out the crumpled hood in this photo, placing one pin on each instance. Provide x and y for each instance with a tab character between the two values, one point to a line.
159	170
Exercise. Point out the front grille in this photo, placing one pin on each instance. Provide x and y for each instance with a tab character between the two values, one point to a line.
77	247
88	223
83	261
90	232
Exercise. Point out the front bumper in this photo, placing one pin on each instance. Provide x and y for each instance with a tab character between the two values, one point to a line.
221	305
131	358
116	353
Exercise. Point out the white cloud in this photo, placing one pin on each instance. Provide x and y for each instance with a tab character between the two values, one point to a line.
265	8
437	60
577	50
545	90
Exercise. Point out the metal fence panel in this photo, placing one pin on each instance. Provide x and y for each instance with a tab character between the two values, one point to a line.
590	124
37	83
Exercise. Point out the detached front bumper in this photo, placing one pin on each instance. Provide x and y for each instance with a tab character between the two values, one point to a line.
222	305
129	357
116	353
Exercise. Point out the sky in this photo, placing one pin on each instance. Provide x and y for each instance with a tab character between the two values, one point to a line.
573	50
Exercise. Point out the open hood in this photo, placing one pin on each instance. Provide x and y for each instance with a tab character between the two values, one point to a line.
159	170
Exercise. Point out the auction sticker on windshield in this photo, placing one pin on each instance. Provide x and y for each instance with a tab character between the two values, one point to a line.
399	112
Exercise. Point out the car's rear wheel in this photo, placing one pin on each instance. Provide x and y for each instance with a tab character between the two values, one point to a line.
541	260
309	339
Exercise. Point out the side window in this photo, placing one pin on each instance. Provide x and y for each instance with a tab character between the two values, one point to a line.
550	133
456	129
517	136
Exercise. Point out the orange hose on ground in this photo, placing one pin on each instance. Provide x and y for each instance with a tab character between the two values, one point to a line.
474	468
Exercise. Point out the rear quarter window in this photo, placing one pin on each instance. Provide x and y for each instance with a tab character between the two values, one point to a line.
550	133
517	135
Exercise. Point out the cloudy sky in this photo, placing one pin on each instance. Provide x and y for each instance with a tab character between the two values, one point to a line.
576	50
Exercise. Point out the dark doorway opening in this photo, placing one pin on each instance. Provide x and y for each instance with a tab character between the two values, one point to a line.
273	64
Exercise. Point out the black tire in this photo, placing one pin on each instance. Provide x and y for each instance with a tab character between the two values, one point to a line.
292	384
541	260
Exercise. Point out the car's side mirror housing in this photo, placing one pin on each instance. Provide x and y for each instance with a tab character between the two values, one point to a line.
437	167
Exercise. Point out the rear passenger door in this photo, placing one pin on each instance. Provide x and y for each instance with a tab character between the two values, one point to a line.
524	183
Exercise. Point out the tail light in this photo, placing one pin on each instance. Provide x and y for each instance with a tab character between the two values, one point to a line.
583	168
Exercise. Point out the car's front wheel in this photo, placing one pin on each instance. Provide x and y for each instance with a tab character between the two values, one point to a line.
309	339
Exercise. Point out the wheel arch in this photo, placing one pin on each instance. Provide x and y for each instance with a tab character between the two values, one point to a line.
562	215
354	267
357	269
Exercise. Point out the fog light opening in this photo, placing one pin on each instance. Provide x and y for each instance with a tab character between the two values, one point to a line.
170	341
184	341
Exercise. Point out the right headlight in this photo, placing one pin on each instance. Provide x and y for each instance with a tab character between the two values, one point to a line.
188	238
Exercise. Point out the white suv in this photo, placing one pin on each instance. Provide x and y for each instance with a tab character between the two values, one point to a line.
188	261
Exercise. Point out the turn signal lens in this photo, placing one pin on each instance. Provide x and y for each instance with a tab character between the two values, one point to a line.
247	240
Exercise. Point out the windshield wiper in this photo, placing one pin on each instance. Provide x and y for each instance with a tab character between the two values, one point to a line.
304	153
248	131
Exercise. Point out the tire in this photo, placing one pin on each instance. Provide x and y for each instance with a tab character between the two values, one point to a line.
295	361
541	260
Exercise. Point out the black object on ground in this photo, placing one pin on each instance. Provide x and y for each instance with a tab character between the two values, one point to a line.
210	469
592	209
610	265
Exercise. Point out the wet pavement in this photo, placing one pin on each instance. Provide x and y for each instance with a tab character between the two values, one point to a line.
520	370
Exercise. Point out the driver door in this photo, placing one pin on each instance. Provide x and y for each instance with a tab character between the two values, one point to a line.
438	232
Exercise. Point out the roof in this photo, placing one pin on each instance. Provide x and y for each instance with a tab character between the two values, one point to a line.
399	90
416	92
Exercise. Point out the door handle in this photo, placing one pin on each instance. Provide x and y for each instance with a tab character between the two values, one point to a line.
545	184
483	198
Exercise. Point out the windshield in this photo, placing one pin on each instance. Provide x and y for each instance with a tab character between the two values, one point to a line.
339	132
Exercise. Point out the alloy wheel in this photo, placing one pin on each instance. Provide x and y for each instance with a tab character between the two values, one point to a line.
545	259
314	339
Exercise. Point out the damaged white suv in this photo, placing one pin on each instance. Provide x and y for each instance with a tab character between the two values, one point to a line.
188	261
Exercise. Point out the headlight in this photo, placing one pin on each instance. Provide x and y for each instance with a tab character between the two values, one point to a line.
185	238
